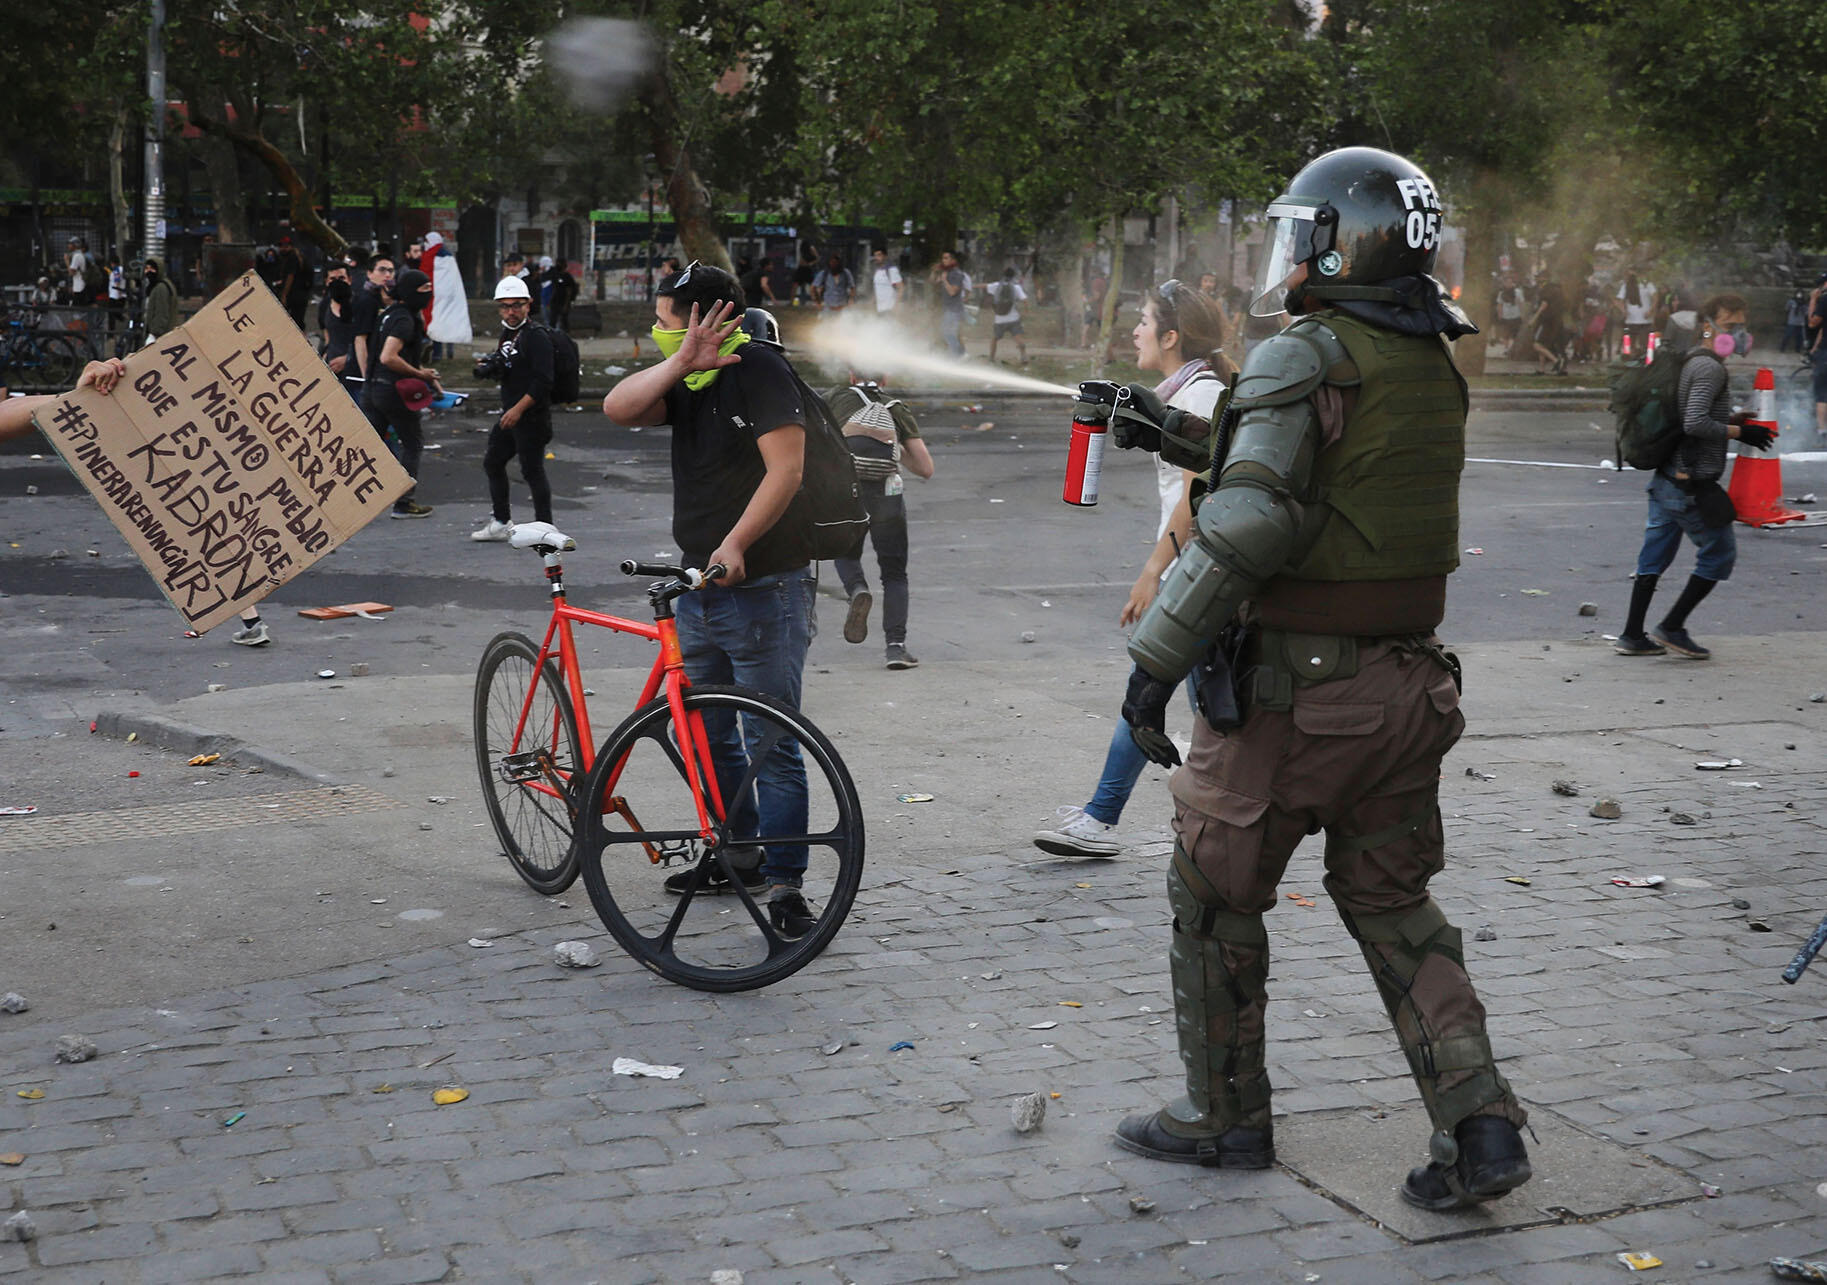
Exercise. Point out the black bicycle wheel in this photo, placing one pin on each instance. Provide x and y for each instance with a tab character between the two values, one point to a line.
529	772
63	361
640	827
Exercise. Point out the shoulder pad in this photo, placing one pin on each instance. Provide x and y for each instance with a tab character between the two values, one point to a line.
1340	369
1283	368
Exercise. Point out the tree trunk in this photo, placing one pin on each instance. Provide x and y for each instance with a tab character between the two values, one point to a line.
117	186
1471	351
1072	298
224	170
304	216
1112	294
685	192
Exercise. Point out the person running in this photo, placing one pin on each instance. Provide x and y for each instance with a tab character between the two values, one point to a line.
1180	337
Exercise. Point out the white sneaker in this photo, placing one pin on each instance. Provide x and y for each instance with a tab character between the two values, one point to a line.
1078	834
255	635
494	532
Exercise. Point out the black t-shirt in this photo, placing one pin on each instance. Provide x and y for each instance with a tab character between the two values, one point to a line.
529	354
716	464
398	322
364	316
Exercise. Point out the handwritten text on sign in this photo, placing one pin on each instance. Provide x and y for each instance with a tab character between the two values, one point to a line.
229	457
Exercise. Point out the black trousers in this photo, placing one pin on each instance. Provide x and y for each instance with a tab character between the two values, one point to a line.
888	533
528	440
388	414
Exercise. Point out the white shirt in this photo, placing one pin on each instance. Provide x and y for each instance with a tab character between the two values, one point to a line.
79	266
887	277
1637	314
1020	296
1200	396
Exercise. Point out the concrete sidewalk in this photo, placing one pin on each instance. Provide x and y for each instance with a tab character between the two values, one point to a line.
1646	1029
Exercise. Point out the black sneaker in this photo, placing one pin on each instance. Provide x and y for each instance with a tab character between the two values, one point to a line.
1638	645
1491	1161
788	912
856	623
411	509
748	869
899	657
1681	643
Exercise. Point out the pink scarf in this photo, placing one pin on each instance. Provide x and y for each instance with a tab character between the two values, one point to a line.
1180	378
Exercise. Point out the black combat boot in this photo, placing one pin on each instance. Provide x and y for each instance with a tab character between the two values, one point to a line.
1491	1161
1159	1137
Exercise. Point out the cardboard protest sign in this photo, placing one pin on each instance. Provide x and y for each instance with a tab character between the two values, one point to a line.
230	457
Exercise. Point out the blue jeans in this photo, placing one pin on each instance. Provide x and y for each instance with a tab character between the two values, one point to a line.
754	635
950	322
1672	513
1123	764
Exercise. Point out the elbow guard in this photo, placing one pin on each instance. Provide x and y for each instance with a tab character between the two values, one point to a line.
1242	536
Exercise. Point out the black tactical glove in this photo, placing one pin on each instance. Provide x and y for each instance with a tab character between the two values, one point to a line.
1756	435
1139	417
1145	710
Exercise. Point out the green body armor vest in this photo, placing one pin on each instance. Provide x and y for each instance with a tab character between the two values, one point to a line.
1384	500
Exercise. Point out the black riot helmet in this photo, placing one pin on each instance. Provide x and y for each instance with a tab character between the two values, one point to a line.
412	288
762	327
1356	216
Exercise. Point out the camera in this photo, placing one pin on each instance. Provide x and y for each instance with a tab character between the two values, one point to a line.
492	365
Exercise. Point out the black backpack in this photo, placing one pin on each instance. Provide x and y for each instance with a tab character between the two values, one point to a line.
1646	403
826	516
567	365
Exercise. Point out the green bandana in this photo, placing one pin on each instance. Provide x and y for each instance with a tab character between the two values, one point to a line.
669	341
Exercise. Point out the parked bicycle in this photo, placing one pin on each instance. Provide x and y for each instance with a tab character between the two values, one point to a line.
32	359
674	785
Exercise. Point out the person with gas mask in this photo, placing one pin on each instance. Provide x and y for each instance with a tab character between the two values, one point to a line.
400	336
1307	600
522	361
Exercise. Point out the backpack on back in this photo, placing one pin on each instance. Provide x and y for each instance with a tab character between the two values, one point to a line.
826	515
873	458
1646	403
567	365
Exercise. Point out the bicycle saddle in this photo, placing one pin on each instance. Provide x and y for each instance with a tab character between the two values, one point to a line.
542	537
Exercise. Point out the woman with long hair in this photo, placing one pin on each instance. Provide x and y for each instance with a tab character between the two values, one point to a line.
1181	337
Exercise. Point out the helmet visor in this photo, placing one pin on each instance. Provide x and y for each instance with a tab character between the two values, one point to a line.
1291	243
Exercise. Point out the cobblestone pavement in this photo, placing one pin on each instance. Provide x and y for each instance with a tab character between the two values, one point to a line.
1652	1018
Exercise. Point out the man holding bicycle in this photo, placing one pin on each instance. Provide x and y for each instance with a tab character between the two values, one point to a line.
738	451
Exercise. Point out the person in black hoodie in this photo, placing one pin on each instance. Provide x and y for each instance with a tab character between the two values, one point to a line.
401	339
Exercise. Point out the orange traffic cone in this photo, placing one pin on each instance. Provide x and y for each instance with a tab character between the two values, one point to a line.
1757	478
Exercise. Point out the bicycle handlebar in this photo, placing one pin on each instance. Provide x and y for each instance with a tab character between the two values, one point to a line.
691	578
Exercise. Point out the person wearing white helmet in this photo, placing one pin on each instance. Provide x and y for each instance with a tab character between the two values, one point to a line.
522	361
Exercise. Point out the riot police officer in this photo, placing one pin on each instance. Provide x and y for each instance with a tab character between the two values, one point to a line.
1308	601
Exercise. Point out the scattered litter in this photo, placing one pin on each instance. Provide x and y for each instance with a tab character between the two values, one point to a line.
1639	1262
381	1088
32	1095
914	797
366	610
234	1120
900	1045
1739	903
575	954
31	490
1566	789
20	1226
449	1095
19	810
1818	697
132	737
1042	1026
1138	1205
1070	1003
480	942
1708	1190
1798	1269
726	1276
1805	499
359	669
1639	881
1682	818
1606	810
1757	926
1054	1096
1589	608
833	1048
1535	593
1027	635
437	798
1301	899
326	673
216	687
424	825
990	977
1476	553
615	371
14	1002
1747	785
12	1159
204	760
75	1048
1476	775
1028	1111
629	1066
426	1066
998	500
1069	1240
1518	879
1486	933
377	901
1718	765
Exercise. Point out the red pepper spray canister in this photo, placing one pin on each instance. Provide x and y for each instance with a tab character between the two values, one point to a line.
1085	458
